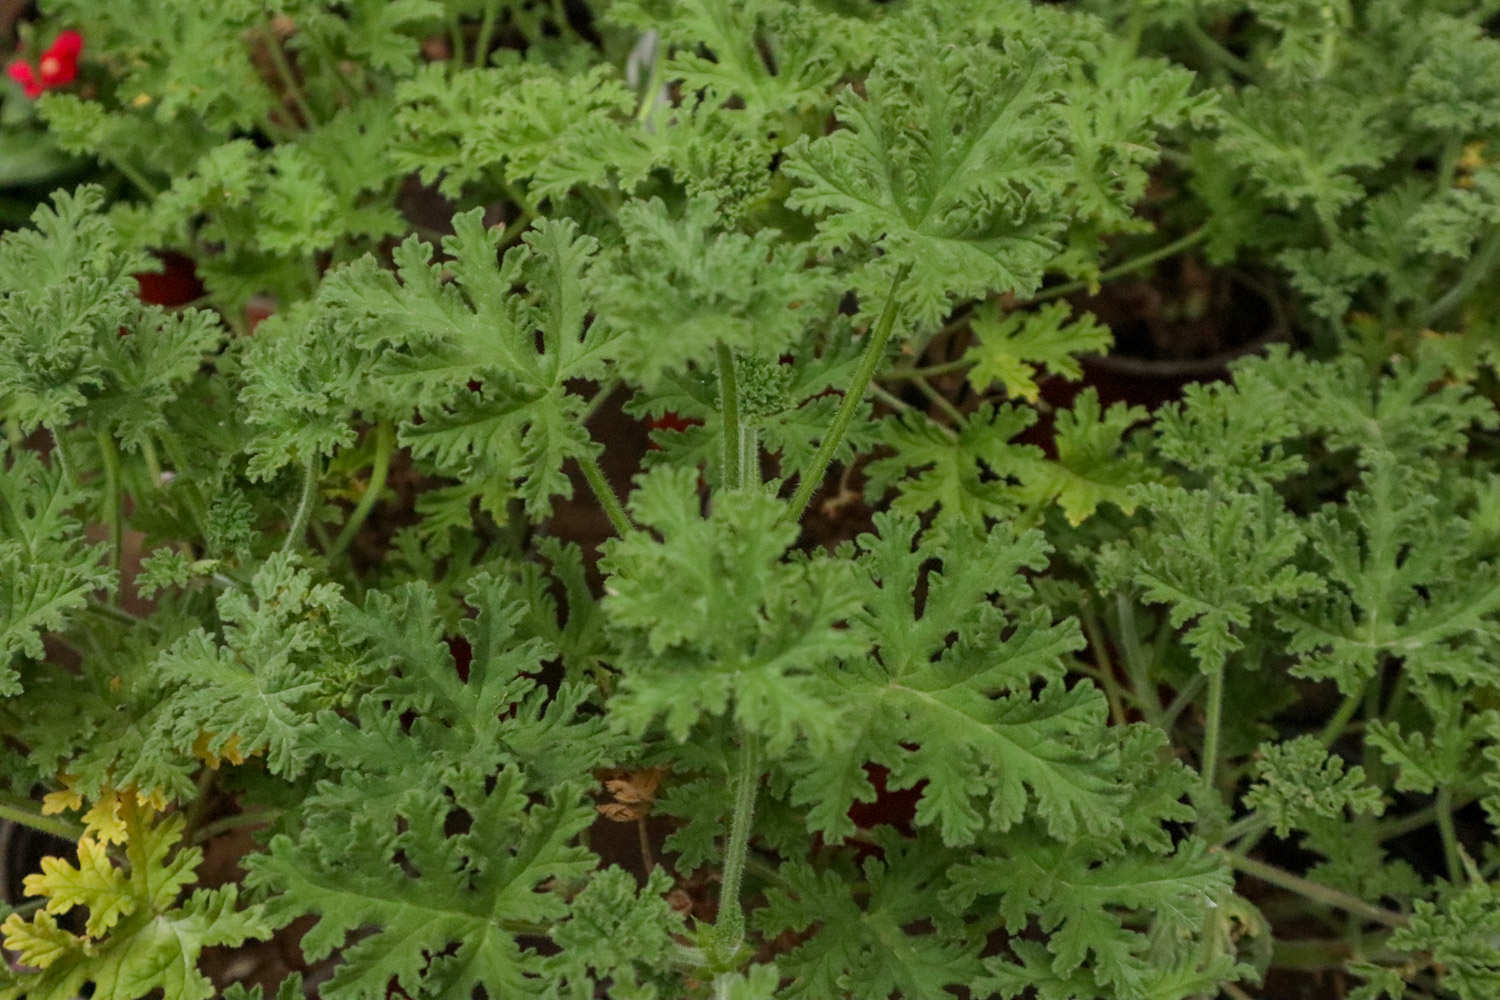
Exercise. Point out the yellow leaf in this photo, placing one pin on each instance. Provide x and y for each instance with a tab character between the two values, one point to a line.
105	820
230	751
39	943
65	799
95	883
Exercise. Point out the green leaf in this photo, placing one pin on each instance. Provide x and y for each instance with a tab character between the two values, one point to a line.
1299	779
47	570
620	935
771	57
1216	558
948	166
886	939
448	911
1015	346
432	338
712	620
681	286
262	685
960	475
1093	465
1075	897
1460	932
67	291
962	696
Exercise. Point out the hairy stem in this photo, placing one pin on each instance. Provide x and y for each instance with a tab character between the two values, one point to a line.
298	526
113	507
196	505
153	464
1138	672
1213	718
1106	672
905	372
1217	53
208	831
61	454
1400	826
1142	262
604	493
939	400
644	836
732	475
134	176
1479	268
1444	810
385	444
1314	891
729	930
1183	699
812	476
286	76
27	813
1340	720
486	33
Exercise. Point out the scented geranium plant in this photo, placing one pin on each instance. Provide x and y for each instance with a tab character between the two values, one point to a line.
752	499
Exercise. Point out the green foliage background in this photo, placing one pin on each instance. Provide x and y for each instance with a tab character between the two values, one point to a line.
1192	700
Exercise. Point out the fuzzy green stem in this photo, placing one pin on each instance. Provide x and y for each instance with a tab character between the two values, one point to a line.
604	493
1314	891
113	508
385	444
486	33
1183	699
208	831
1145	260
1214	717
812	476
197	507
1340	720
1216	52
153	464
729	412
729	930
62	458
1106	672
1479	268
298	526
901	406
749	454
1400	826
1444	809
133	175
906	372
939	400
28	814
456	42
1138	672
288	78
653	87
351	95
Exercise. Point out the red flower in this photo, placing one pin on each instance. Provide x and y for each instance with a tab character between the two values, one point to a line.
58	66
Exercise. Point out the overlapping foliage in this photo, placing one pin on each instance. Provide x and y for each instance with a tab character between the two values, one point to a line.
917	671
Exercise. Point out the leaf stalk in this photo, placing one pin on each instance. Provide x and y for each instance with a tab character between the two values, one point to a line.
812	476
